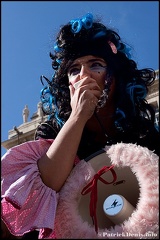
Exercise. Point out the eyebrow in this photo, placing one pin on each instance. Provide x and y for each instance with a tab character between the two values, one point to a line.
89	61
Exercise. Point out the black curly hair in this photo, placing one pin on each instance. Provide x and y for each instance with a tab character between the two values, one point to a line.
90	37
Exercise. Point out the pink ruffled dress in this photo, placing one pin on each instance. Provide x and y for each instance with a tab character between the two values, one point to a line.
27	204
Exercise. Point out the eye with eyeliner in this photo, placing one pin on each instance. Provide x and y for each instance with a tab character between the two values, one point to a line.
95	66
74	71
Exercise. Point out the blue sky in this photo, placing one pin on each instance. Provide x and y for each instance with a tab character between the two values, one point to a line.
28	32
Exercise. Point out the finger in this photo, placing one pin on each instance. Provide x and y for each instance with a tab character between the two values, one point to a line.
77	84
86	81
71	88
96	93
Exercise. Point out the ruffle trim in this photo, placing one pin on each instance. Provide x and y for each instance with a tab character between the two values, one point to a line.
27	203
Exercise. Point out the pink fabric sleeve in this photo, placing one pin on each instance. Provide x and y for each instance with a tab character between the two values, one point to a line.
27	203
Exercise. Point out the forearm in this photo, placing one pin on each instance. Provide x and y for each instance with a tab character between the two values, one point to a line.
57	163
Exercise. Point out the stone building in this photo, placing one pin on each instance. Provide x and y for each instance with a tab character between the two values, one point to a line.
153	97
25	132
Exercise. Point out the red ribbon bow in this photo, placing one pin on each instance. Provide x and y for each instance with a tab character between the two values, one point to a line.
92	187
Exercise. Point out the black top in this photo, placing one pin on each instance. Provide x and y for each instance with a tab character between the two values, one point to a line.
88	145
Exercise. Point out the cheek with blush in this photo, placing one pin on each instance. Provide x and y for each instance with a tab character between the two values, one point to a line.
100	79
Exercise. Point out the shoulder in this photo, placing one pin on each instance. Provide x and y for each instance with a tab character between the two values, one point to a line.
47	130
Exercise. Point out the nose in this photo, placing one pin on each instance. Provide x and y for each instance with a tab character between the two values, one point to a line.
85	72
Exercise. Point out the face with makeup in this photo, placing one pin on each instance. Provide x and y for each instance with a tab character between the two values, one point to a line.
89	74
87	66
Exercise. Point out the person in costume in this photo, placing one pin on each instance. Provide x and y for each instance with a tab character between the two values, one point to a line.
95	98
